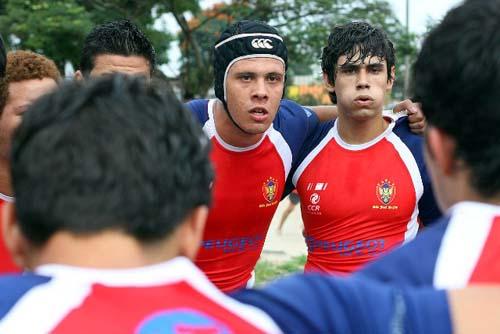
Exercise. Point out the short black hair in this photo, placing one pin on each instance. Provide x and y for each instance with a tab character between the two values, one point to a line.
347	40
3	58
457	80
122	38
109	154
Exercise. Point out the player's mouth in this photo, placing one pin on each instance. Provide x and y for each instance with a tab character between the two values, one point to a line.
259	114
363	100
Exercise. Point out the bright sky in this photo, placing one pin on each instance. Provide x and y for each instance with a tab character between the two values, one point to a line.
420	12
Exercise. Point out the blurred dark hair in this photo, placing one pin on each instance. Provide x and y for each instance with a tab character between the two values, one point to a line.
347	40
110	154
457	80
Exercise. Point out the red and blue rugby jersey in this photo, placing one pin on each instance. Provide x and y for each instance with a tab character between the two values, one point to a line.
171	297
460	249
249	183
358	201
7	265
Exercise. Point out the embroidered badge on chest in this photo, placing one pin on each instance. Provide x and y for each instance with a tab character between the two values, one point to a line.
386	191
270	189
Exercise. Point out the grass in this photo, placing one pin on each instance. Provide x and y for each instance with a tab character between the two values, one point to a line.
266	271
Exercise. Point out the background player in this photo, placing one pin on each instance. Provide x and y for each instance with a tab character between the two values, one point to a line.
27	77
116	47
256	139
112	260
362	183
462	152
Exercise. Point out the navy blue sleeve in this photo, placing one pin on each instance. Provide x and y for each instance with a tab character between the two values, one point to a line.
427	205
296	124
321	304
199	109
412	264
13	287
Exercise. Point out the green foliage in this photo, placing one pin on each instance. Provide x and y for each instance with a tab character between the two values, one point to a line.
266	271
57	28
54	28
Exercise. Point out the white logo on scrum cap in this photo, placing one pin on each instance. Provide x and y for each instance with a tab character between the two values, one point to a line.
262	43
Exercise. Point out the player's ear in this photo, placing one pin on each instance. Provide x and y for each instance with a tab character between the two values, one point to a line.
328	85
79	75
392	78
14	239
191	232
441	148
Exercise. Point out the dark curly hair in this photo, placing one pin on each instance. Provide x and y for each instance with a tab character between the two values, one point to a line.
110	154
25	65
347	40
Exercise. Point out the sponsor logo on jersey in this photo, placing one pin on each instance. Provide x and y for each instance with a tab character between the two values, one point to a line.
386	191
314	198
270	189
317	186
314	208
236	244
346	247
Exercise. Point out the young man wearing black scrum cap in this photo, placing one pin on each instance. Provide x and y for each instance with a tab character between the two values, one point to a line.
256	139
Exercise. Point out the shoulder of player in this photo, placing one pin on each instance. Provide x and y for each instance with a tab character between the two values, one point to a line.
412	263
199	108
291	109
14	286
402	129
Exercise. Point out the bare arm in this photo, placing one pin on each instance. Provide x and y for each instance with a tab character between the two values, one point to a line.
416	118
325	112
475	310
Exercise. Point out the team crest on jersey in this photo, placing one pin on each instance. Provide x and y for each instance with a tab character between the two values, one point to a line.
386	191
270	189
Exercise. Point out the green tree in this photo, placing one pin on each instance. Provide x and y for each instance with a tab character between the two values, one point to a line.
54	28
57	28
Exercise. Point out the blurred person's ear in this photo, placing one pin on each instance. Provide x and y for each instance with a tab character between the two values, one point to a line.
329	86
78	75
191	232
17	245
441	150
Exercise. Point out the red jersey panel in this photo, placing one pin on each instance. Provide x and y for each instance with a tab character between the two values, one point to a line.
173	297
248	186
357	201
6	263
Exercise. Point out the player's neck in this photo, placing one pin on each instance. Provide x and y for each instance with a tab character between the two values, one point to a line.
458	189
228	131
111	250
356	131
5	180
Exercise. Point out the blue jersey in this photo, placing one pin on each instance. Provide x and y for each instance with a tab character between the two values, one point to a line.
170	297
461	248
312	303
174	297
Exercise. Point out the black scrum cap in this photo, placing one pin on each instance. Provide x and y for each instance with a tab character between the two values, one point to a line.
243	40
